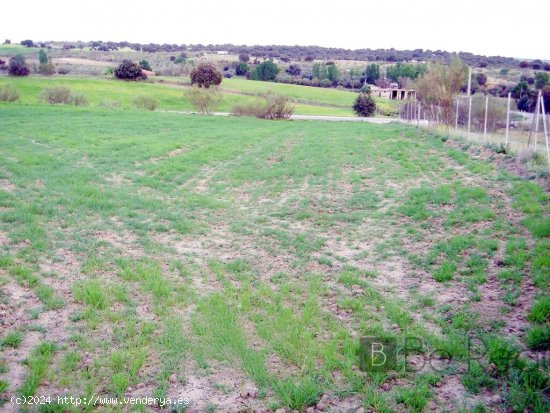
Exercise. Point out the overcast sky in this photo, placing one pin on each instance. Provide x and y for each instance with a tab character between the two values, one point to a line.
490	27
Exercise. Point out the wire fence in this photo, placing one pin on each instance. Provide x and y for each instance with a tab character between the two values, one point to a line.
485	119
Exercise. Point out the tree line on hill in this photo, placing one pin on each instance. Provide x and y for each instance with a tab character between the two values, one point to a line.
302	53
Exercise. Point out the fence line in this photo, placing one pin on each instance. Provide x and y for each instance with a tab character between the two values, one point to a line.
485	119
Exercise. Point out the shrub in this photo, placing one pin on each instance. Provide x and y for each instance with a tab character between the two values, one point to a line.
17	66
9	94
63	70
268	106
244	57
205	75
78	99
144	64
129	70
265	71
364	105
57	95
60	95
481	79
46	69
27	43
241	69
3	65
7	41
523	64
145	102
294	70
205	100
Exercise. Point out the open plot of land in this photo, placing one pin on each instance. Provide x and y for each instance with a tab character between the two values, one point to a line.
238	262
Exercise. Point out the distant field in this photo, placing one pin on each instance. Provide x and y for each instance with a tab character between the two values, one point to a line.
12	49
110	92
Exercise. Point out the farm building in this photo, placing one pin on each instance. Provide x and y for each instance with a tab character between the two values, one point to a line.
393	92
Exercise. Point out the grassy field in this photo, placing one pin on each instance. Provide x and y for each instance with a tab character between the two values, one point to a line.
112	93
238	262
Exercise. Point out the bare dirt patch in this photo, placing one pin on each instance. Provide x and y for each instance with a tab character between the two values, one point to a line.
7	186
81	61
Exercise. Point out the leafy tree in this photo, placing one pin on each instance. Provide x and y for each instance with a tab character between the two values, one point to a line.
523	64
372	73
294	70
42	57
17	66
244	57
332	73
364	105
205	75
536	64
7	41
440	84
405	70
241	69
266	71
144	64
28	43
521	89
129	70
541	79
319	71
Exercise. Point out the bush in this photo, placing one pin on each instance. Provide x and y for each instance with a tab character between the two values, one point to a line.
266	71
294	70
17	66
144	64
205	100
9	94
244	57
481	79
241	69
268	106
78	99
63	70
27	43
145	102
46	69
129	70
364	105
58	95
205	75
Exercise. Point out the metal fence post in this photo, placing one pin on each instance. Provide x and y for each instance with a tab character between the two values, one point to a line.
456	120
543	110
486	116
508	118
